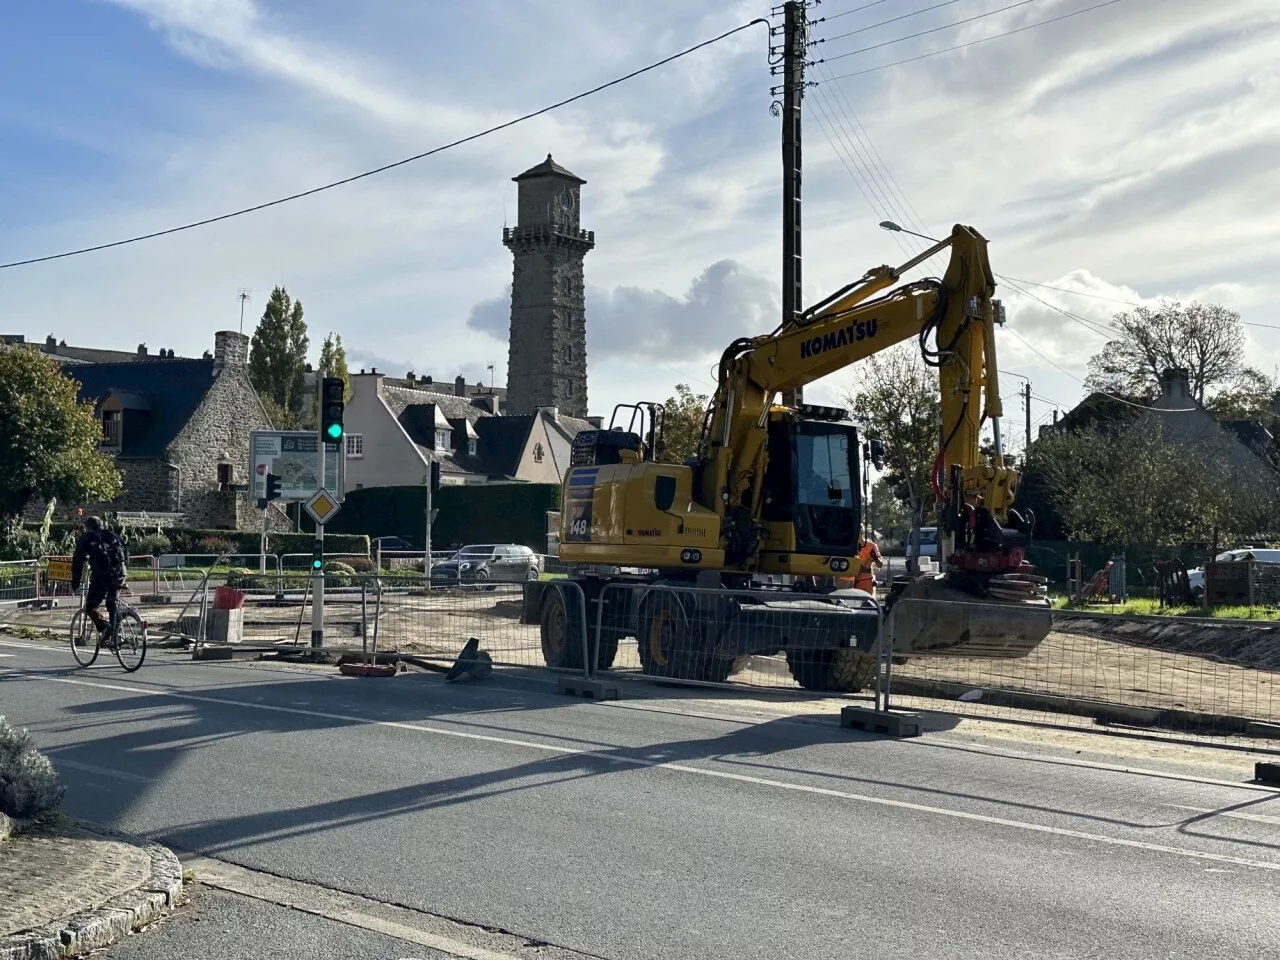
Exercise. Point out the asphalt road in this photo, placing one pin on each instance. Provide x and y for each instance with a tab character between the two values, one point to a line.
637	830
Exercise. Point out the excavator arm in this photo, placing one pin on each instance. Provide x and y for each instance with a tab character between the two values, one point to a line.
957	312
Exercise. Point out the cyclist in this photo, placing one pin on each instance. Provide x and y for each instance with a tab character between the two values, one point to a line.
107	571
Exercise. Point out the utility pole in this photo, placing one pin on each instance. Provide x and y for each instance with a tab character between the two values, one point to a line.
795	34
1027	394
243	295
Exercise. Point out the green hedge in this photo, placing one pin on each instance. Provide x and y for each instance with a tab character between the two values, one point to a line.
482	513
184	540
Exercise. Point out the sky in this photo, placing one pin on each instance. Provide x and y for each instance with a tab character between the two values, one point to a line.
1127	152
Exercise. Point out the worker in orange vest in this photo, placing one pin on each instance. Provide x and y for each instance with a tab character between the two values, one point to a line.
868	556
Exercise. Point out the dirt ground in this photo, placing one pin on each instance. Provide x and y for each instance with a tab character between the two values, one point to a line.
1218	672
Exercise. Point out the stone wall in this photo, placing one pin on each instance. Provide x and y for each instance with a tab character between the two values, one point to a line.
218	433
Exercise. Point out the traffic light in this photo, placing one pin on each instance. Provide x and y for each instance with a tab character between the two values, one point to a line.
317	556
877	454
273	487
435	476
331	403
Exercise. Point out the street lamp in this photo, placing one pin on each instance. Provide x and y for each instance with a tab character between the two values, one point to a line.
891	226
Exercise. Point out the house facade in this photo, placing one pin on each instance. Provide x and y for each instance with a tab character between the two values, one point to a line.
394	432
178	431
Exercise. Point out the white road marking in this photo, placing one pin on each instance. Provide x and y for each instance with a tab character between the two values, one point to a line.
28	646
695	771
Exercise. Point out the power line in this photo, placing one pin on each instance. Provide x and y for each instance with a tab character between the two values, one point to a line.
925	33
845	13
1089	325
972	43
882	23
1078	293
399	163
1109	396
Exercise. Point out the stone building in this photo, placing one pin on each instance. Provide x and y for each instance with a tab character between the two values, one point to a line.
547	365
178	431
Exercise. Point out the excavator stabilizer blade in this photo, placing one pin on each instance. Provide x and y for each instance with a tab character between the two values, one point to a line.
932	618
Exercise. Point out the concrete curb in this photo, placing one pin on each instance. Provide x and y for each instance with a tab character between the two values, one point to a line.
115	919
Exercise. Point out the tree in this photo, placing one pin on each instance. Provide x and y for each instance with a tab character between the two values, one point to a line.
887	513
682	425
333	363
48	441
1135	487
1206	340
1250	397
278	355
896	398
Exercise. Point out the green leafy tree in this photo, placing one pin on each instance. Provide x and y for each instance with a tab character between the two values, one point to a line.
1250	397
1133	486
333	362
1205	339
682	427
48	441
278	355
896	398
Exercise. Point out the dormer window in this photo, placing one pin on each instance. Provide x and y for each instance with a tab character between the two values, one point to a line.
111	428
442	440
471	446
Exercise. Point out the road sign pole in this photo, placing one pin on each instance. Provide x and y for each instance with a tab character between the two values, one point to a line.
262	545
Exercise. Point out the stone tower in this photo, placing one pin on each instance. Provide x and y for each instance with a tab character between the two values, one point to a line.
547	366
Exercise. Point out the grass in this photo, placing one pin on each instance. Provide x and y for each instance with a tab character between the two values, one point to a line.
1151	608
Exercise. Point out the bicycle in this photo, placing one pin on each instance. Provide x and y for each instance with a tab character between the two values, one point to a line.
128	637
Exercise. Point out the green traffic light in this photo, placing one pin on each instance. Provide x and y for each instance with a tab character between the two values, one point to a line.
317	564
335	431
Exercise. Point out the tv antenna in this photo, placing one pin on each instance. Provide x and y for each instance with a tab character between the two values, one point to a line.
244	295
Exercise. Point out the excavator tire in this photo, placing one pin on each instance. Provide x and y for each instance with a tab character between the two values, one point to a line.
843	670
561	642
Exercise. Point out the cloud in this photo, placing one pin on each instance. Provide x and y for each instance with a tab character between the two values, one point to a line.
722	303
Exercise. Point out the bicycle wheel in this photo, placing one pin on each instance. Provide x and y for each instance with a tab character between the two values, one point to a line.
131	640
85	639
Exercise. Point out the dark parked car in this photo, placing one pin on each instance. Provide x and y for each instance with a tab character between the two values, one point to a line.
394	544
488	563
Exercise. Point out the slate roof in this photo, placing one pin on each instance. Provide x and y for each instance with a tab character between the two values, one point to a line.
547	168
422	412
174	389
502	440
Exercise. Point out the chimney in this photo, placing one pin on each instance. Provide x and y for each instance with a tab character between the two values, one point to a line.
597	422
1175	386
488	401
230	349
51	343
426	378
142	349
460	387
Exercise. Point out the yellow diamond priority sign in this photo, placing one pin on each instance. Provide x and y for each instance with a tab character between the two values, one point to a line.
323	506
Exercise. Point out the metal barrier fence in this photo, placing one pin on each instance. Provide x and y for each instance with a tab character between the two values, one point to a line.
411	620
19	581
1188	677
779	639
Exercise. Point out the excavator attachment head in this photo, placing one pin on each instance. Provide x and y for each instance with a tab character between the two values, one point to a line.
933	618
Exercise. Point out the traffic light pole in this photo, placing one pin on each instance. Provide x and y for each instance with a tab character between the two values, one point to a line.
426	552
317	572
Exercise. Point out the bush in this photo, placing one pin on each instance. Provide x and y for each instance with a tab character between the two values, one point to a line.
29	786
152	544
338	574
216	546
360	564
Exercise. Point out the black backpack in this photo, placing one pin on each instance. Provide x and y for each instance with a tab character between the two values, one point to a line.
107	558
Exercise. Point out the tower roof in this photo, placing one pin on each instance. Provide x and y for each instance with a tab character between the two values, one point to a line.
548	168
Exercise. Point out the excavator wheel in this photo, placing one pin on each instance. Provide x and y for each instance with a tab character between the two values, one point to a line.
561	640
843	670
671	645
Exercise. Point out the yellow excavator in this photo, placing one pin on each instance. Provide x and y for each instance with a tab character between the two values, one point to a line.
774	490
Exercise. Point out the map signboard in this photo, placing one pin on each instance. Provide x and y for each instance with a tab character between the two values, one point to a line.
294	457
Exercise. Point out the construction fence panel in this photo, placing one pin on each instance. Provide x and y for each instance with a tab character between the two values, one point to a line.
1160	678
777	639
19	581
